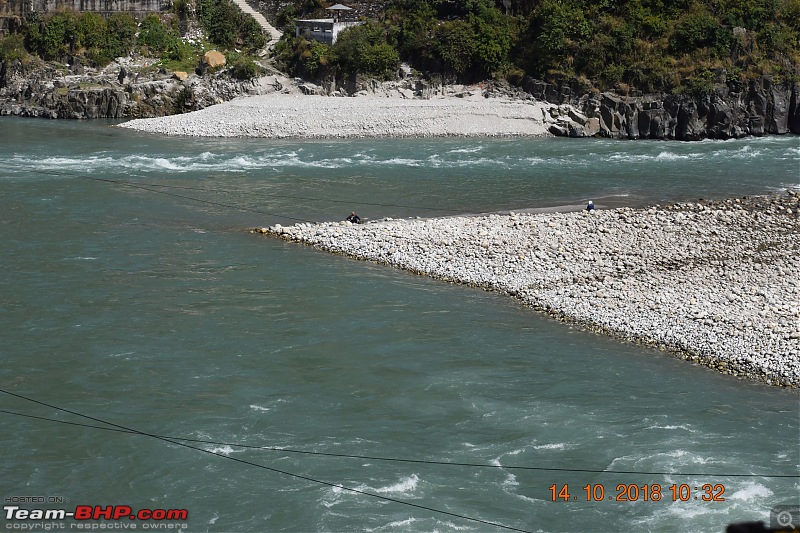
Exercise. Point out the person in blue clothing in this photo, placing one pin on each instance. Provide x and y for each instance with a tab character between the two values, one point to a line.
590	206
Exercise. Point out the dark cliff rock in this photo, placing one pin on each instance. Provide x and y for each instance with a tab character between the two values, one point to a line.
731	111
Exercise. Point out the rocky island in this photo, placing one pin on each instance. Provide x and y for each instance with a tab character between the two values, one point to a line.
717	283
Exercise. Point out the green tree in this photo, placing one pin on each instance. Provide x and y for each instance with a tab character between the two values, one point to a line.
492	38
121	34
92	30
154	34
58	36
94	36
228	27
456	47
223	29
412	26
364	49
556	30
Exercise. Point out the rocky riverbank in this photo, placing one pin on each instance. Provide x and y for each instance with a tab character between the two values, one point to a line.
129	88
717	283
125	88
731	110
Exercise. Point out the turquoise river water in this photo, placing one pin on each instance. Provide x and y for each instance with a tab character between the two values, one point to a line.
147	304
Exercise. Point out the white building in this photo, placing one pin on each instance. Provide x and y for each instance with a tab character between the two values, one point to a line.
325	30
322	30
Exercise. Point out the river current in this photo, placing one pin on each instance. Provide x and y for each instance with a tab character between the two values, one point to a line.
131	292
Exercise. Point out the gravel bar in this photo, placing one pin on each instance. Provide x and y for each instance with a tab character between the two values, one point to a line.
717	283
280	116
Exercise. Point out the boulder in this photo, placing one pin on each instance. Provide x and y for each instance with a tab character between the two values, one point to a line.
577	117
592	127
214	59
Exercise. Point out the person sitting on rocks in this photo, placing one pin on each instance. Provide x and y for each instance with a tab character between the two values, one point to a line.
353	218
590	206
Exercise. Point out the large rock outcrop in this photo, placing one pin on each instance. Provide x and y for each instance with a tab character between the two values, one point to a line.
731	111
42	90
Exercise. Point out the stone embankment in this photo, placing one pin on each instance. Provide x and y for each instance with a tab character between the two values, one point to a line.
718	283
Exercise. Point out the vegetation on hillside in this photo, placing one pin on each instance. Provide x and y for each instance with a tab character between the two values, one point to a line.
649	45
64	34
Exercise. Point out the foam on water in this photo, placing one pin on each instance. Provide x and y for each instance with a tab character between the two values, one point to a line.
453	527
683	427
277	158
745	152
551	446
747	504
510	481
400	161
751	491
402	524
663	156
515	452
224	450
405	486
678	461
470	150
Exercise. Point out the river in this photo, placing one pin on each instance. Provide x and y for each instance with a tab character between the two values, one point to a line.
132	293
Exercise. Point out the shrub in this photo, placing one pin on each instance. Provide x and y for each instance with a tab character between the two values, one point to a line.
251	36
223	29
156	35
301	57
244	68
228	27
698	31
315	57
286	18
12	47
